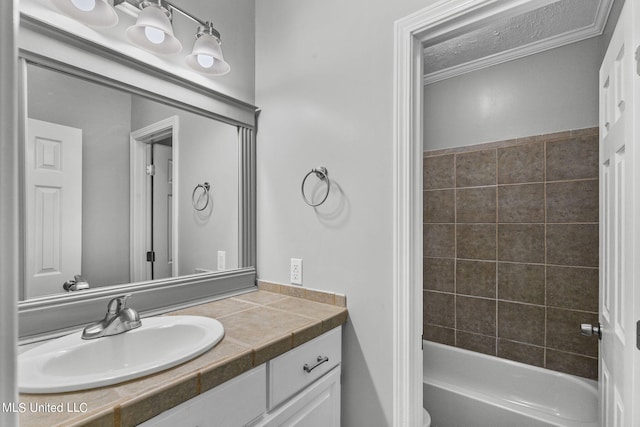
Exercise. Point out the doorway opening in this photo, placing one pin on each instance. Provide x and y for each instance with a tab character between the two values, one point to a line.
438	22
154	233
160	175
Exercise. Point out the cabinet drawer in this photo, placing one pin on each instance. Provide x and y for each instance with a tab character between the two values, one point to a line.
287	374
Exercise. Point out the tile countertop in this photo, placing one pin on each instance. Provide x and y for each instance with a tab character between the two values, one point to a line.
258	326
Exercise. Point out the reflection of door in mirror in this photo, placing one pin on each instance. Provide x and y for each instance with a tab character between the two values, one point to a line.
161	209
53	184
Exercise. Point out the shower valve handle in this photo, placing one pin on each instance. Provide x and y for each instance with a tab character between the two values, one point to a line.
587	329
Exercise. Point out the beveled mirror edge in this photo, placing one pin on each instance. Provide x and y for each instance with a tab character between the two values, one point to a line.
247	245
46	317
41	318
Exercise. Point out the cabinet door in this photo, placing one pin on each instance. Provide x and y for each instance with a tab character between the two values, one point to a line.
316	406
231	404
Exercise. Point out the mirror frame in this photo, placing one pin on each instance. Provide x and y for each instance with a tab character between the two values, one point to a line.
45	45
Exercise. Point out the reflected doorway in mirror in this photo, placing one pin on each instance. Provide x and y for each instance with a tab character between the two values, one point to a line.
154	150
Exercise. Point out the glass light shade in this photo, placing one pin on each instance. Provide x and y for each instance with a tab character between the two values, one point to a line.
84	5
207	58
154	35
153	32
95	13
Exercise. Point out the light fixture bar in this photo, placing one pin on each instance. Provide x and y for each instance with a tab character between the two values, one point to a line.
207	29
153	30
185	13
127	7
205	26
135	3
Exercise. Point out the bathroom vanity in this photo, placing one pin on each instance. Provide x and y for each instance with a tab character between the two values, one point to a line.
255	376
286	389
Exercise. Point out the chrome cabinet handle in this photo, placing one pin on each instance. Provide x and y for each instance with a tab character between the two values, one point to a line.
320	361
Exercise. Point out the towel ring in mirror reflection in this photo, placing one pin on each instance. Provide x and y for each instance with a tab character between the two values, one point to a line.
323	175
204	193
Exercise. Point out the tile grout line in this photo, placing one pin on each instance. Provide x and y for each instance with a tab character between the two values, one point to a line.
497	219
544	174
512	184
455	250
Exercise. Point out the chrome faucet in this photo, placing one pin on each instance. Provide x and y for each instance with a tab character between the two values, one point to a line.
119	319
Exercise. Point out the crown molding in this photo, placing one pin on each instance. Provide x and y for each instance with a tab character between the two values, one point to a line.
579	34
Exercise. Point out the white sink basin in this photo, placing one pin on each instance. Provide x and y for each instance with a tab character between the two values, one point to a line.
70	363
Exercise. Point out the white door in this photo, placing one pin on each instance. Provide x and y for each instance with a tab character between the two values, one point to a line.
162	211
619	196
53	187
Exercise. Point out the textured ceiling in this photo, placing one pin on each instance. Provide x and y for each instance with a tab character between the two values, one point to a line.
551	21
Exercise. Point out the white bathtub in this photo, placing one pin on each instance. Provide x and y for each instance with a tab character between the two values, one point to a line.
468	389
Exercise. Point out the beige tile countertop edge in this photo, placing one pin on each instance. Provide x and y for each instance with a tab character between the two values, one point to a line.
259	326
304	293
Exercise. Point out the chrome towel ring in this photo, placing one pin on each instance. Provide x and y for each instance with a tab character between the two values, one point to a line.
323	175
205	193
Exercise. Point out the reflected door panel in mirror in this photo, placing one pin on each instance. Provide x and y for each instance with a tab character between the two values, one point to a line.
53	157
162	209
205	150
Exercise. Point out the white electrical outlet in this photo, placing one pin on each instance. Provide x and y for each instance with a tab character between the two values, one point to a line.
222	260
296	271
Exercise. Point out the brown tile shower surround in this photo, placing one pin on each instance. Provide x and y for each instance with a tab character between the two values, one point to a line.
511	249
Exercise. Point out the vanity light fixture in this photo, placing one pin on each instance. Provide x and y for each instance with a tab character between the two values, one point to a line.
96	13
206	56
153	30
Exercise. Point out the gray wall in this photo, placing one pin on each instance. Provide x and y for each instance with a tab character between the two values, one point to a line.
553	91
235	19
58	98
612	21
9	259
324	81
208	151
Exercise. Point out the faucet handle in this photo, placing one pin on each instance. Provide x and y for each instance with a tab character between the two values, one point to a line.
117	304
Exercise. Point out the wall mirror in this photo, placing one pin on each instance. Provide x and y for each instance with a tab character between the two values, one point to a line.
120	188
126	189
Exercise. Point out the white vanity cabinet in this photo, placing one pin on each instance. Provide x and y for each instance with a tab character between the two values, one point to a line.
232	404
316	406
304	385
299	388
